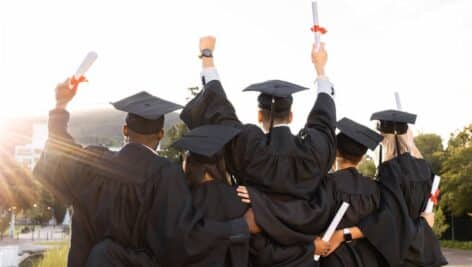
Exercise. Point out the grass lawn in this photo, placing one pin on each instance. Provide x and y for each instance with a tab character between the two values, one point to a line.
456	244
56	257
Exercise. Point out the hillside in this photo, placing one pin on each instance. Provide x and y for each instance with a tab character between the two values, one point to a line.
100	126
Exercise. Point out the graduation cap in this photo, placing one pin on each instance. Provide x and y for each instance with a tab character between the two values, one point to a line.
145	112
275	96
354	138
206	141
393	121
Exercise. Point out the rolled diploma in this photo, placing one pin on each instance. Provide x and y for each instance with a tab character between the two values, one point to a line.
434	188
334	224
314	7
397	101
86	64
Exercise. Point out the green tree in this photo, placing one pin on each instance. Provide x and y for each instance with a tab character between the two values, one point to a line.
367	166
440	223
173	134
432	149
456	173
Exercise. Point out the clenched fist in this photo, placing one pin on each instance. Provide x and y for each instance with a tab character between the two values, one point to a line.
319	57
65	92
207	42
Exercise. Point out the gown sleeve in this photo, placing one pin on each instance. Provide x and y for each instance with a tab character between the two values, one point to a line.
266	252
63	162
320	130
211	106
177	233
295	221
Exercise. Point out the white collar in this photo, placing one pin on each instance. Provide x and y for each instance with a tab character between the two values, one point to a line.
281	125
150	148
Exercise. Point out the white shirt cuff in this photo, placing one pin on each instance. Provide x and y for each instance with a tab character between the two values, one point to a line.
325	86
210	74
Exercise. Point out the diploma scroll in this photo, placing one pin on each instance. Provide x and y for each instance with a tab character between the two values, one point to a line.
316	23
85	65
334	224
433	198
397	101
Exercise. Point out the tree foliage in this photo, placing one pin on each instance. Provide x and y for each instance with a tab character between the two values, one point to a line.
440	223
172	135
432	149
367	167
456	173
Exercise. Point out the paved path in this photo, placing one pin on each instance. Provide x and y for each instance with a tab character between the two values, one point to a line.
458	257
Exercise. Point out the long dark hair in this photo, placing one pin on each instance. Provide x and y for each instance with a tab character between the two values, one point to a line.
196	167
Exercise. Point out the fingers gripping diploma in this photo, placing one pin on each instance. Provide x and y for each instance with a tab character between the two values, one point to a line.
65	92
429	217
319	57
79	75
321	247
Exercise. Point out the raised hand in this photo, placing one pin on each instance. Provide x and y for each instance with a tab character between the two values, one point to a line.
65	92
319	57
207	42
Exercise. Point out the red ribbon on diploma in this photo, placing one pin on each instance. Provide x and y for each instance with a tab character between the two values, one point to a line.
75	82
434	197
317	28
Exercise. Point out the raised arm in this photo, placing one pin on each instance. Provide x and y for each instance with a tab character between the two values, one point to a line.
211	106
62	161
321	122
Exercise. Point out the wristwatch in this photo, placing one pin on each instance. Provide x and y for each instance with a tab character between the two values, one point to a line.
206	53
347	235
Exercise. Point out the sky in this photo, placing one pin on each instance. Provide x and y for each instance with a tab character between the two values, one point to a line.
420	48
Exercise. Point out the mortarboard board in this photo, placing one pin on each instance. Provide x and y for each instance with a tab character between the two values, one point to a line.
276	88
145	112
275	96
393	121
207	140
358	133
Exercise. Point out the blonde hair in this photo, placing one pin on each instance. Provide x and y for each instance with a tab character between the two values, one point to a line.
406	144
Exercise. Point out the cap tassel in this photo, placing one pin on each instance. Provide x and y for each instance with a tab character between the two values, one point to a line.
271	125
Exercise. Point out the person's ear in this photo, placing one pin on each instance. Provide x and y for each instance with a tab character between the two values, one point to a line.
125	130
260	117
160	135
290	117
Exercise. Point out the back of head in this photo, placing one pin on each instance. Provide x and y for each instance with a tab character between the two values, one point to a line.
200	169
406	143
349	149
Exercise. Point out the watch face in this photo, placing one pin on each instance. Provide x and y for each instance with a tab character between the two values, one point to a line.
206	53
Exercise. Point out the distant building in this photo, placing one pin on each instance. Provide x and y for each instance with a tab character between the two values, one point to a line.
27	155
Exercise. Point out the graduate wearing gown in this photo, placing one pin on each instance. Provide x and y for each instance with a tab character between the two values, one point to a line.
212	192
285	169
361	192
405	180
133	204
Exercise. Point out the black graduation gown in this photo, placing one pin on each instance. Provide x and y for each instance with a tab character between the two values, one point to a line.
285	171
363	195
405	184
219	201
133	197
